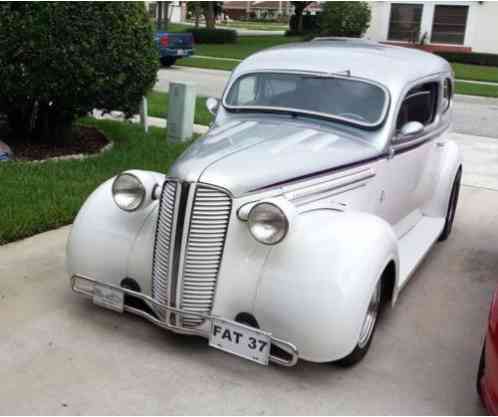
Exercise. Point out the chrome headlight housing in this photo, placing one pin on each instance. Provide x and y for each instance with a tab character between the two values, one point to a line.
268	223
128	192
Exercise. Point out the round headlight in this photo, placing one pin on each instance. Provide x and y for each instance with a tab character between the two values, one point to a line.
128	192
268	223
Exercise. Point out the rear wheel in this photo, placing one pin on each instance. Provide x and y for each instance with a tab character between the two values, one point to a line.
168	61
367	329
452	206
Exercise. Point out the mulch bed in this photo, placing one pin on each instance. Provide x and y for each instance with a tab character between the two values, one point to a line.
87	140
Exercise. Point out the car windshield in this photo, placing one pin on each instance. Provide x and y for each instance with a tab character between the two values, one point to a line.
347	99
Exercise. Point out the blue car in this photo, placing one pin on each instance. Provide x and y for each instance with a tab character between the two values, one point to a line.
173	46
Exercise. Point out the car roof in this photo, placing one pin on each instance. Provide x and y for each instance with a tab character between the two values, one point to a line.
392	66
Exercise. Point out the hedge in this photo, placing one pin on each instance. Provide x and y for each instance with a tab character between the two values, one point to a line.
470	58
204	35
311	24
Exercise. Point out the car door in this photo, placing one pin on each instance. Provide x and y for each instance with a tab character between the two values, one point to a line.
410	166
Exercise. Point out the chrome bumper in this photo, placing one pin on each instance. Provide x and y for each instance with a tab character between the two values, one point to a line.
84	285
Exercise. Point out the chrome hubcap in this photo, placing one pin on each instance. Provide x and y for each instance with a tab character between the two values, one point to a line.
371	317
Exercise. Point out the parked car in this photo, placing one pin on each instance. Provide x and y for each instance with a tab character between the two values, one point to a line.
325	179
487	375
173	46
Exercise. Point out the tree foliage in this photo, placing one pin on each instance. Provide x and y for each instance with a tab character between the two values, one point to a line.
345	18
60	60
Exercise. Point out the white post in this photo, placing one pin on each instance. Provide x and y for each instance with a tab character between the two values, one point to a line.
144	112
181	111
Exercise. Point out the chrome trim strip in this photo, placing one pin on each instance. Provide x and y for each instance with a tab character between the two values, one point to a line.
326	186
282	344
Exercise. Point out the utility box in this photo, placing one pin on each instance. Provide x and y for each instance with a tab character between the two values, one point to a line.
181	111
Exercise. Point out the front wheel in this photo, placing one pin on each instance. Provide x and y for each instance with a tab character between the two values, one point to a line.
452	206
367	329
168	61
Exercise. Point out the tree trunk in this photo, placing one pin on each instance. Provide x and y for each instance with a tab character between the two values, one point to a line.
210	16
300	25
166	15
159	17
52	126
197	13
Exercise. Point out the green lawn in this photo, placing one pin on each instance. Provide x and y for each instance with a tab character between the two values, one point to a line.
158	107
37	197
476	89
246	46
475	72
216	64
237	24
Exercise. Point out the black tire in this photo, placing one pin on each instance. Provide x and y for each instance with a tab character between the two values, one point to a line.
365	341
452	206
480	370
168	61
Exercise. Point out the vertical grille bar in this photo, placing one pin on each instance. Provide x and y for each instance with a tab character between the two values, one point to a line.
209	220
165	238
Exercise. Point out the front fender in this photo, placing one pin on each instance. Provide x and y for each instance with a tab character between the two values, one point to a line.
316	285
109	244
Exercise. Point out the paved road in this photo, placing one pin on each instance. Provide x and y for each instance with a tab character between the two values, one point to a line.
59	354
472	115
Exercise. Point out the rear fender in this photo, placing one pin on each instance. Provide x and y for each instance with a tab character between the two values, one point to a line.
450	163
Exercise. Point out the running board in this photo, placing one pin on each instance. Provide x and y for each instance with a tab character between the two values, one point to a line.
415	244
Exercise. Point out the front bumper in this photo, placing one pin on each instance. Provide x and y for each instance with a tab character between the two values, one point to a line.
84	285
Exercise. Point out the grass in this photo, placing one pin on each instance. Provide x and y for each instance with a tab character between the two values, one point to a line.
475	72
158	107
476	89
246	46
236	24
207	63
37	197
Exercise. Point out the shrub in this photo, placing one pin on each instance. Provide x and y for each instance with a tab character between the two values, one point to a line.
470	58
311	24
203	35
60	60
348	18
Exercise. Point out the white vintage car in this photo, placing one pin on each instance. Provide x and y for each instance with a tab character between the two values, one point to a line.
324	180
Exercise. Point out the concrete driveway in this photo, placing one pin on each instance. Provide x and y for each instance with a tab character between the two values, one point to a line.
59	354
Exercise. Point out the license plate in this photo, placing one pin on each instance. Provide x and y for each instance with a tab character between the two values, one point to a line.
181	52
242	341
108	297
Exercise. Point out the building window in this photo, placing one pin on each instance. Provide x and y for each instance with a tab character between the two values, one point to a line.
449	24
404	24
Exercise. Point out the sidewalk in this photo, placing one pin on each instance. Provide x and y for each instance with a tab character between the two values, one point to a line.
153	121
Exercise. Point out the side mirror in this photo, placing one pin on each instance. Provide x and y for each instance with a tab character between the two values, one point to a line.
411	129
212	105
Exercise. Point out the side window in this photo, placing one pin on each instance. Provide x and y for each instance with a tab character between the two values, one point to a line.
447	95
419	105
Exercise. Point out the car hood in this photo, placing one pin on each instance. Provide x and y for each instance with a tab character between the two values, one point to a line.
245	156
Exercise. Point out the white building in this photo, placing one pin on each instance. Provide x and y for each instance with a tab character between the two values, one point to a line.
467	26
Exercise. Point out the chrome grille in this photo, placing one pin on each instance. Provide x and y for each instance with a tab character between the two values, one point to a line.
163	249
193	268
206	238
